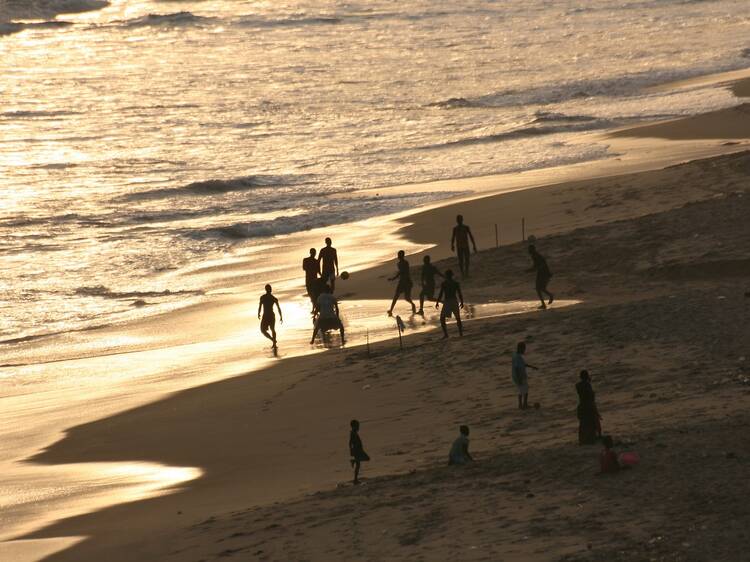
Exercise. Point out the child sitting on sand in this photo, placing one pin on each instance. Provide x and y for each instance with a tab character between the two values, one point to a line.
356	450
608	457
459	453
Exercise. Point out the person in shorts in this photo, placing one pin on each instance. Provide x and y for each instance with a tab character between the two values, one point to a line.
520	376
460	244
453	302
543	275
268	318
429	272
311	267
327	309
329	264
404	283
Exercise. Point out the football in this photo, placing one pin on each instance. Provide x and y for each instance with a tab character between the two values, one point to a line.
344	275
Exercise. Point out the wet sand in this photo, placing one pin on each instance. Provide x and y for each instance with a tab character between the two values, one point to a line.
661	284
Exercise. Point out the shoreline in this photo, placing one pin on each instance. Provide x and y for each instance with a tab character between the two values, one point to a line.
420	234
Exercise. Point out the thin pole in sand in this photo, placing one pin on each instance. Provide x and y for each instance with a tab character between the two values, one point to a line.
400	326
497	238
367	337
523	229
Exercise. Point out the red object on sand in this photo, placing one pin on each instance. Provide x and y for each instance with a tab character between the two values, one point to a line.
629	458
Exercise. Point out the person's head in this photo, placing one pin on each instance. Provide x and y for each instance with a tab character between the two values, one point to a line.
401	254
328	242
607	442
521	347
312	252
268	288
460	219
585	375
426	260
354	424
449	274
532	249
464	429
327	289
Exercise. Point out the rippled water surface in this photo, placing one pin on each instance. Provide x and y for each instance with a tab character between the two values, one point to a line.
140	137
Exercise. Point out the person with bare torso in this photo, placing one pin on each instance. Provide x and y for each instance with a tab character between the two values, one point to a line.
460	244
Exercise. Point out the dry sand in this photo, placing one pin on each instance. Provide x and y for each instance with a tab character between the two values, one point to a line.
660	261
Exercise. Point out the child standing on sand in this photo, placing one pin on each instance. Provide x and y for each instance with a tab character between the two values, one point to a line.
520	377
356	450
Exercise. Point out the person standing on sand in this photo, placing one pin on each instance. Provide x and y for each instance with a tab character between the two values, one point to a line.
453	303
429	272
520	377
327	309
543	275
404	283
311	266
460	244
459	453
356	450
589	426
329	264
268	321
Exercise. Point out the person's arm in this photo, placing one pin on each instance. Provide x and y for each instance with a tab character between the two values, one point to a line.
438	273
398	274
440	296
533	265
260	305
336	261
281	316
466	452
468	230
532	366
460	296
453	240
336	307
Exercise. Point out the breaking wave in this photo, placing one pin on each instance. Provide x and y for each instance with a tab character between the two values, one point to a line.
177	19
105	292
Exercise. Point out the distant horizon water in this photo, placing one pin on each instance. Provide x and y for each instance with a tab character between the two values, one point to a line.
139	138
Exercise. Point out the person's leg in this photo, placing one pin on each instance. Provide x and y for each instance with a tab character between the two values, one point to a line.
341	331
546	291
421	300
457	315
264	331
357	465
395	300
443	324
520	401
467	258
525	401
539	294
407	297
315	333
461	261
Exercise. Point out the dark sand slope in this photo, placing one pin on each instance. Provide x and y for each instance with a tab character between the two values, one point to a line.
663	327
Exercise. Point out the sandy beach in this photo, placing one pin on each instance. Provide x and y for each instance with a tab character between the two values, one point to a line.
651	272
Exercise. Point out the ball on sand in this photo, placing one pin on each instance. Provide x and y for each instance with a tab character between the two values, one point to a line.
537	405
344	275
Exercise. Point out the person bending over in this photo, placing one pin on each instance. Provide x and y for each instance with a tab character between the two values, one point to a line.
327	309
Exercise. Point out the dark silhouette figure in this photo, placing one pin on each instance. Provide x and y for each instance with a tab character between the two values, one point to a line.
589	426
608	457
453	302
327	309
520	376
543	275
429	272
459	453
311	266
268	321
329	264
404	283
460	244
356	450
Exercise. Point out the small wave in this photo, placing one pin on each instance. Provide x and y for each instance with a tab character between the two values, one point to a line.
289	22
105	292
523	132
9	28
218	187
46	9
454	103
32	114
177	19
548	116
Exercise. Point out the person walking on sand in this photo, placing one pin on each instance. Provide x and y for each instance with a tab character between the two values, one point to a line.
460	244
329	264
429	272
311	266
519	375
589	420
543	275
268	321
459	453
452	303
327	309
403	274
356	450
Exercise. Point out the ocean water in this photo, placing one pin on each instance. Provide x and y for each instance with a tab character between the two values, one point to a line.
139	138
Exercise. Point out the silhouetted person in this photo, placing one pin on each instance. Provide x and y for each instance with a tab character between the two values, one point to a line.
589	426
429	272
460	244
268	321
520	376
453	302
311	266
329	264
459	453
403	274
608	457
356	450
327	309
543	275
